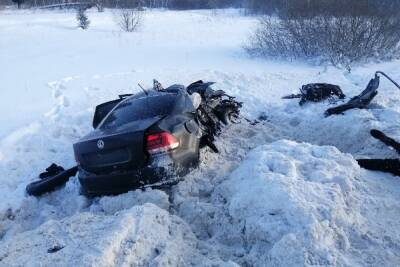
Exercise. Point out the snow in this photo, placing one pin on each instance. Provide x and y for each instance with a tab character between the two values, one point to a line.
141	235
292	197
285	192
65	53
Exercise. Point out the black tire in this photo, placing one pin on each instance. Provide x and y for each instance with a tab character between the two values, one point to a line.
50	184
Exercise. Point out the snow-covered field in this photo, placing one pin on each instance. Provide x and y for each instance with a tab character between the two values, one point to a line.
287	192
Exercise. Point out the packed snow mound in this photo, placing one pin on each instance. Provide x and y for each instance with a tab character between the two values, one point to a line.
140	236
67	202
287	204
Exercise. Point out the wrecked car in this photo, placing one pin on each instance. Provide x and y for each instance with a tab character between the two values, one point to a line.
145	140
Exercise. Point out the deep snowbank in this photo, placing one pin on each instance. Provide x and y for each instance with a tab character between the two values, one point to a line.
291	204
287	203
139	236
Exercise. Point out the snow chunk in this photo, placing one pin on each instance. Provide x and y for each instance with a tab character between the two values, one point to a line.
142	235
289	204
111	205
67	202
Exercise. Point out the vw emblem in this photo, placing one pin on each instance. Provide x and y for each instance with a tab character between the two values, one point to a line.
100	144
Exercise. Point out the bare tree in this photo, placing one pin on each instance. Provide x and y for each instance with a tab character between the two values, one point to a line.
100	5
129	20
337	34
83	20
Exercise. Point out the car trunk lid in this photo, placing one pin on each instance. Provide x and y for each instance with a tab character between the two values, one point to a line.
107	150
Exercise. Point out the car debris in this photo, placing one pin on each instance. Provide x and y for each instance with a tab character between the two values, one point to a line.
385	165
50	182
316	92
364	99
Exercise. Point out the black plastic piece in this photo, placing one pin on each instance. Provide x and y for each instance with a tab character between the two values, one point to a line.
385	139
55	249
384	165
52	170
360	101
51	183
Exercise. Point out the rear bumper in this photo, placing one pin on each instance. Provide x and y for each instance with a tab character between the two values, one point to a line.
120	182
162	170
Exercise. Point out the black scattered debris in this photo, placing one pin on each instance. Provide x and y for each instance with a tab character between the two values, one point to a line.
263	117
51	182
386	139
360	101
316	92
52	170
385	165
364	99
55	249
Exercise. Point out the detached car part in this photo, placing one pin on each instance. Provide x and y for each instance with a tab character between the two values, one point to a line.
385	165
363	99
316	92
50	182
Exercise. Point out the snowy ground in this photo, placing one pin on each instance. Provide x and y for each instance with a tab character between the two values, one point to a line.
263	201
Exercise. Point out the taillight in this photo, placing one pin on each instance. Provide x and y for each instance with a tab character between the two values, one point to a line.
161	142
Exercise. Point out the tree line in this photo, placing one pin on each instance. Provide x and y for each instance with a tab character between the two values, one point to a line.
280	7
169	4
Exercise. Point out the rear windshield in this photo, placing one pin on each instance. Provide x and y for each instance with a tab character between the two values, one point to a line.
138	109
